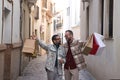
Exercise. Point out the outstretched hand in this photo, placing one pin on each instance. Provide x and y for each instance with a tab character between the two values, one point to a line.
34	37
61	61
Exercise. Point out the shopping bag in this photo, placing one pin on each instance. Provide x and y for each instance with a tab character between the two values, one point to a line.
88	46
29	47
99	39
95	46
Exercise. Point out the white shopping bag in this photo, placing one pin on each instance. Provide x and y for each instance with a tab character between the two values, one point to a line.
99	39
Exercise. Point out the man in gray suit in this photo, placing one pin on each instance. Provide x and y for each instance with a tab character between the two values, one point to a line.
55	58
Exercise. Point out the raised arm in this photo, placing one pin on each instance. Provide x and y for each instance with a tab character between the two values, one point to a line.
42	44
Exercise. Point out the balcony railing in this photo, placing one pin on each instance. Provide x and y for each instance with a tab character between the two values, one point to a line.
32	1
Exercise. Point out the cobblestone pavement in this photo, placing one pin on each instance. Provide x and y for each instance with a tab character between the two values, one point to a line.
35	70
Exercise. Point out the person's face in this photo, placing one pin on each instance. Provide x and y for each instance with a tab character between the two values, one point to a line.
57	40
68	36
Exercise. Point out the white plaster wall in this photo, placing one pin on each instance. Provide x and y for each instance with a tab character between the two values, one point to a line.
7	23
0	20
105	66
74	12
25	21
16	21
116	34
94	16
66	19
83	22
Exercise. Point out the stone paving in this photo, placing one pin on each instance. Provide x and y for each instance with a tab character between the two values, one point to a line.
35	70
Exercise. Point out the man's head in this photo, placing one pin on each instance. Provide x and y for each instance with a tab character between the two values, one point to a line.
69	35
56	39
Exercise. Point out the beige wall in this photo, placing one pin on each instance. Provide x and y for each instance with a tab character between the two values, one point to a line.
37	23
25	20
45	23
2	65
15	63
105	66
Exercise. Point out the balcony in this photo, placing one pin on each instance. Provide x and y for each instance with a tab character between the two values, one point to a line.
31	2
49	13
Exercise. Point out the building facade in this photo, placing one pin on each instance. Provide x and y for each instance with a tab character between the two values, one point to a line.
102	16
67	17
10	43
14	29
45	26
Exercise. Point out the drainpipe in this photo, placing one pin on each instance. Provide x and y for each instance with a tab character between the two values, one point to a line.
3	11
20	38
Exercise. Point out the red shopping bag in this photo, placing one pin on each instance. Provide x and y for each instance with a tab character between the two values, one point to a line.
95	46
99	39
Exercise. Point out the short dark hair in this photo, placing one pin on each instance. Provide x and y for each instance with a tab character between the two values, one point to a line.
71	32
54	37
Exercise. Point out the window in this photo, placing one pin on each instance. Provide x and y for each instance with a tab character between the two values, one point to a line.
54	25
87	18
42	18
102	16
36	12
45	3
51	8
68	11
111	19
59	21
108	18
35	31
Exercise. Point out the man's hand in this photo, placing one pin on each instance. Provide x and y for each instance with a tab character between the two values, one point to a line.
34	37
61	61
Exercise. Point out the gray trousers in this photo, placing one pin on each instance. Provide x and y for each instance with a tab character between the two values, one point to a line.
71	74
53	75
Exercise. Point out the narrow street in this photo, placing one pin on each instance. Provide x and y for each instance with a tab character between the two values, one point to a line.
22	20
35	70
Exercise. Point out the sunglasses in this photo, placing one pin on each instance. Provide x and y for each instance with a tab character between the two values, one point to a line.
57	38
